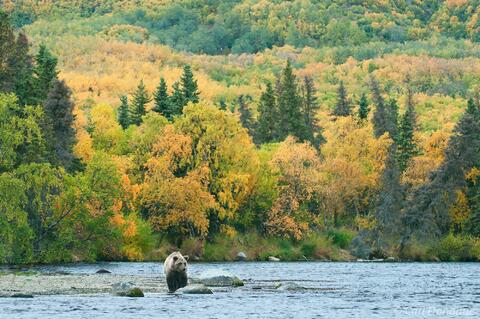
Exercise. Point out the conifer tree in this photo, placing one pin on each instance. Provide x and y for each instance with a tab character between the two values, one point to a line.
189	86
310	108
7	45
427	213
223	104
139	103
123	116
177	99
59	110
385	118
23	70
45	72
363	108
290	107
267	124
342	108
407	147
161	101
387	229
246	117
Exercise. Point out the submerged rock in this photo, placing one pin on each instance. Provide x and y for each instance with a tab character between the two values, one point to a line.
103	271
218	278
133	293
195	289
289	286
21	296
241	256
390	259
273	258
122	288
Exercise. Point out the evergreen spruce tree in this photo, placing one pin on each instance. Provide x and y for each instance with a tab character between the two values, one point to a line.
161	100
23	70
310	108
45	72
473	222
267	124
246	117
392	118
7	45
342	108
177	99
387	230
407	147
363	108
60	131
385	118
427	214
139	103
223	104
189	86
123	116
290	107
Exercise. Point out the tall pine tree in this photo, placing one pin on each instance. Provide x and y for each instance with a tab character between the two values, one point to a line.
363	108
23	69
7	50
290	107
123	116
177	99
161	101
138	107
246	117
268	115
45	72
385	116
407	147
189	86
310	108
428	210
342	108
59	111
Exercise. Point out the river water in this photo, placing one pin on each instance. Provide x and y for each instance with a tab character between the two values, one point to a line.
333	290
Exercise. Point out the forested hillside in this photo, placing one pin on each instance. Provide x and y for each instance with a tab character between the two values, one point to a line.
302	129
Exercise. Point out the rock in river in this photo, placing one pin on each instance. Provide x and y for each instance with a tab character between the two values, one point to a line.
218	278
103	271
241	256
126	289
273	258
289	286
195	289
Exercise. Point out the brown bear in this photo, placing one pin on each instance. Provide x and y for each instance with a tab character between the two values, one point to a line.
175	269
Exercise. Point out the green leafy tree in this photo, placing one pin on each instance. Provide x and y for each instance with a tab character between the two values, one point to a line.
123	114
189	85
138	107
342	108
21	134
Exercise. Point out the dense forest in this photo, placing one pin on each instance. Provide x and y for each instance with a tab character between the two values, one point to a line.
301	129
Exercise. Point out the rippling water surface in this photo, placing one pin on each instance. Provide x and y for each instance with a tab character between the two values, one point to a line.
335	290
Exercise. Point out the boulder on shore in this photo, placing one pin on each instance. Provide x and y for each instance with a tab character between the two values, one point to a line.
273	258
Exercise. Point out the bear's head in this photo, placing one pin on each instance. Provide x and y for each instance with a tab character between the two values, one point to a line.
179	262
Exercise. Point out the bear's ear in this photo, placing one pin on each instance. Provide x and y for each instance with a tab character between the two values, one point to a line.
186	257
175	258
